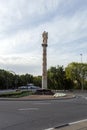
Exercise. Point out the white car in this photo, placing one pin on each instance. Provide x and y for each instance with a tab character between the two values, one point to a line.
31	88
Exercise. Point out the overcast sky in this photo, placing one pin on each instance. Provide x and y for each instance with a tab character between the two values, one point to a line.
22	23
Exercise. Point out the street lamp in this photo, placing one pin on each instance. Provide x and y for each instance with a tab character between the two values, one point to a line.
15	78
81	57
81	74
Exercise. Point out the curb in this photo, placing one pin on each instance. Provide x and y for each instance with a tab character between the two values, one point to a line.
60	126
57	127
17	99
67	124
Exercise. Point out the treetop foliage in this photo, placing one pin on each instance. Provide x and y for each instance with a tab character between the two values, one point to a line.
74	76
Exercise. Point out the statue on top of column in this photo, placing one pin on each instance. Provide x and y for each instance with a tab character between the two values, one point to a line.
45	37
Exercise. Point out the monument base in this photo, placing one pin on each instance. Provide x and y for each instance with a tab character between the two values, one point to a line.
44	82
44	92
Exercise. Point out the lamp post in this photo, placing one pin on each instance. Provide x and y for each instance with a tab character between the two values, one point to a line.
15	78
81	57
81	74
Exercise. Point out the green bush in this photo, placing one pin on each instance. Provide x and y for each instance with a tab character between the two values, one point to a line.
15	94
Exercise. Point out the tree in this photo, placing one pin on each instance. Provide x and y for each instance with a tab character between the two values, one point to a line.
78	73
37	80
25	79
56	78
6	79
10	80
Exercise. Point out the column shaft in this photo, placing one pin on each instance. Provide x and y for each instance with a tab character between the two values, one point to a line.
44	69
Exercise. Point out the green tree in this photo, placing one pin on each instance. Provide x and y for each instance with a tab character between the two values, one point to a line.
78	73
11	80
5	79
25	79
37	80
56	78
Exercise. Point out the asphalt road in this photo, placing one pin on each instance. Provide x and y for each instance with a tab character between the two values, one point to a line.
41	115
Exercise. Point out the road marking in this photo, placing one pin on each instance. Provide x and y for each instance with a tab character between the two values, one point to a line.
82	97
86	98
42	103
49	129
27	109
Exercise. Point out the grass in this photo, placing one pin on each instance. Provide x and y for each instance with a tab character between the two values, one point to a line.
16	94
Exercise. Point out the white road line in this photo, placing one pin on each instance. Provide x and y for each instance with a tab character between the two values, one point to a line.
49	129
77	122
42	103
86	98
27	109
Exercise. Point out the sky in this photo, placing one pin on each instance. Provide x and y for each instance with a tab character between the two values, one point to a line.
22	23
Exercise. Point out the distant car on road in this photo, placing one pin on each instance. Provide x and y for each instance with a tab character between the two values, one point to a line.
22	87
29	87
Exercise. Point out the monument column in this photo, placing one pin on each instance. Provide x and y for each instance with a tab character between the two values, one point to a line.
44	64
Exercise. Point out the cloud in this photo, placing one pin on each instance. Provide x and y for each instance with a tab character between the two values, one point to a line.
18	14
21	63
22	23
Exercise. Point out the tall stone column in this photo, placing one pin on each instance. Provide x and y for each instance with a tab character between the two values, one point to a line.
44	64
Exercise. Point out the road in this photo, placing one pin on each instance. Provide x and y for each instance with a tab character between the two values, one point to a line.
41	115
